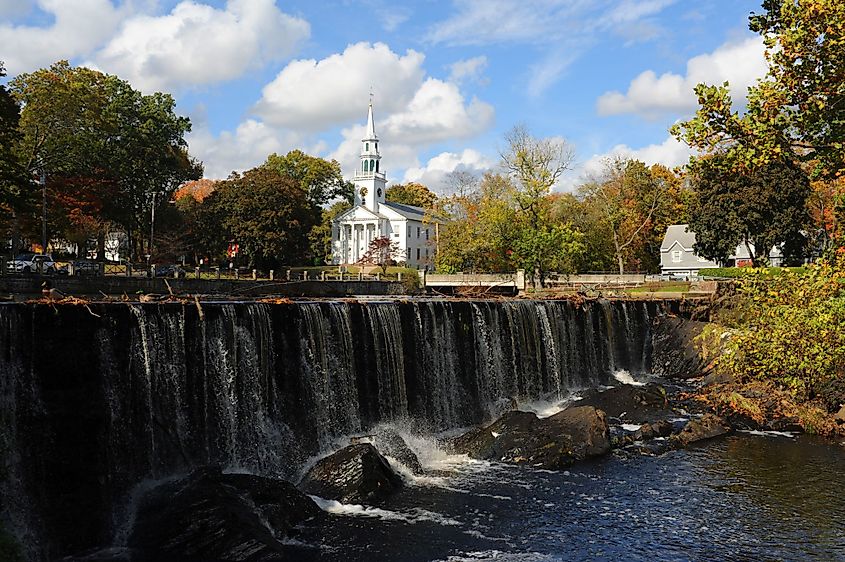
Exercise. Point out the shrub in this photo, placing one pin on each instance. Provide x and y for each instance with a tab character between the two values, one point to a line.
792	329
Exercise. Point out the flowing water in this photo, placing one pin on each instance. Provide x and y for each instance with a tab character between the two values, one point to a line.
99	401
743	498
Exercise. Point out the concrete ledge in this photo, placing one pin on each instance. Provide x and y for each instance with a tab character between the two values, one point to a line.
83	286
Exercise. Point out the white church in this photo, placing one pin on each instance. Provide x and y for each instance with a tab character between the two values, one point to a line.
372	217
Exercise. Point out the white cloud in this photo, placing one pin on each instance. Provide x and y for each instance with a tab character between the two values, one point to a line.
562	29
670	153
246	147
197	44
437	112
649	95
435	173
468	70
15	8
313	95
78	28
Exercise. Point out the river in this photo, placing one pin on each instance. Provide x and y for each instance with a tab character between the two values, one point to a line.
745	497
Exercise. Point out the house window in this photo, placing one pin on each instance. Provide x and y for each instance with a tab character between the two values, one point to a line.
418	232
676	256
426	234
409	232
418	254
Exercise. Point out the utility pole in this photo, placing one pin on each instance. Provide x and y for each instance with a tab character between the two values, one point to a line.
152	223
43	212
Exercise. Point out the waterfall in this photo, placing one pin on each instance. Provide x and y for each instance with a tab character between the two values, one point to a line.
97	399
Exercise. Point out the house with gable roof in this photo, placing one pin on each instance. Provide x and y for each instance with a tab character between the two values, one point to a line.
678	258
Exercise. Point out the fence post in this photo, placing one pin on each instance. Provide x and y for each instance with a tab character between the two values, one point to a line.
399	275
323	275
378	275
305	275
423	275
218	273
254	274
237	274
272	275
197	271
360	276
287	274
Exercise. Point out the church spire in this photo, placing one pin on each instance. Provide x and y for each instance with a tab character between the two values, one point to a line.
371	127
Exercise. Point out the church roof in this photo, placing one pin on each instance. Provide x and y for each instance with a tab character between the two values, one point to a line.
407	211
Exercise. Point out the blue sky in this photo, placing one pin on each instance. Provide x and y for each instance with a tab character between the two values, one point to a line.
449	78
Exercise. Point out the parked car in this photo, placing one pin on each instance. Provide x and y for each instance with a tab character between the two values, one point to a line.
32	263
170	270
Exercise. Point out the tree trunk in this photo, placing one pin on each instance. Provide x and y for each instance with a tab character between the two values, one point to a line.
619	260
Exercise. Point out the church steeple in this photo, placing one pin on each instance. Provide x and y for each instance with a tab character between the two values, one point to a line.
370	179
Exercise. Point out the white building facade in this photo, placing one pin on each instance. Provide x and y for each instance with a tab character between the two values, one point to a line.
411	228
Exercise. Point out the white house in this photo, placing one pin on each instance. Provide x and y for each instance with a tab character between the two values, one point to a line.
677	256
414	232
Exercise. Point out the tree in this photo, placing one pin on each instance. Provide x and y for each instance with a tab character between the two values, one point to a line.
266	213
796	112
382	252
321	180
759	209
107	153
321	235
627	196
411	193
534	165
15	185
478	236
556	246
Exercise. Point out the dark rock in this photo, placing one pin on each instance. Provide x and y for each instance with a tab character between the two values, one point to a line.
391	444
675	353
707	427
215	516
552	443
631	404
791	424
718	377
662	428
354	474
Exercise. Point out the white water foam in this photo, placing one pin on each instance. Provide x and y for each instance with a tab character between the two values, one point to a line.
625	377
768	433
499	556
630	426
416	515
548	408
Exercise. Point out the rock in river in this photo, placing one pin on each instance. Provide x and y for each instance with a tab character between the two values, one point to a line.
391	444
707	427
214	516
631	404
553	443
354	474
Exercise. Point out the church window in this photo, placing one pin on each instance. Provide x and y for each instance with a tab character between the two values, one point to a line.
365	165
372	165
378	192
376	165
366	147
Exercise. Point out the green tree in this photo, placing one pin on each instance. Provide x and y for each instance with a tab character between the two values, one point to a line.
796	112
266	213
321	235
534	166
321	180
556	246
411	193
107	152
15	185
759	209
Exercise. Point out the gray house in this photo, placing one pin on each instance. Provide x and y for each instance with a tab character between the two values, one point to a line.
677	256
